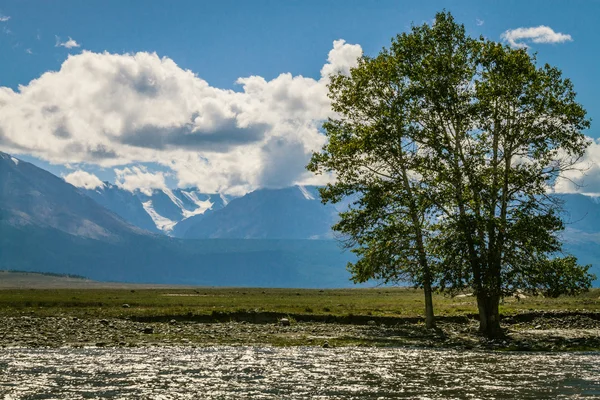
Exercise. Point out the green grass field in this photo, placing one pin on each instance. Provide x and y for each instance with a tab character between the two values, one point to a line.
382	302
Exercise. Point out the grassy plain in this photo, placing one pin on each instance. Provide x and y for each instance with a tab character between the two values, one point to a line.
185	302
50	311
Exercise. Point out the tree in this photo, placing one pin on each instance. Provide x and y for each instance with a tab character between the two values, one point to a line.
451	145
375	158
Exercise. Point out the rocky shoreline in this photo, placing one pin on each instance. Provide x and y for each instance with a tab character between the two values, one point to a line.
527	332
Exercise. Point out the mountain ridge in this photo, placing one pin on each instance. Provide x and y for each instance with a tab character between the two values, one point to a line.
48	225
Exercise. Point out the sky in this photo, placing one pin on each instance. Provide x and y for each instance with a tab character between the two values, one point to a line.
229	96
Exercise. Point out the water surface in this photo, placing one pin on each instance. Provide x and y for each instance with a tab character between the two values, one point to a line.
295	373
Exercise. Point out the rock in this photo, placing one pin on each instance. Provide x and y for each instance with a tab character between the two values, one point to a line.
284	322
125	305
104	321
372	323
458	296
537	327
173	322
325	345
148	330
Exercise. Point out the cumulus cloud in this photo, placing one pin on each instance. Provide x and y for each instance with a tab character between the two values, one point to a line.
584	177
140	178
341	58
539	34
69	44
4	18
114	110
83	179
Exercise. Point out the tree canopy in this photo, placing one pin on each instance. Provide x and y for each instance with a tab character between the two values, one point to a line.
450	146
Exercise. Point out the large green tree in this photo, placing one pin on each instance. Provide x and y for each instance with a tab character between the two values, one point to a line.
450	145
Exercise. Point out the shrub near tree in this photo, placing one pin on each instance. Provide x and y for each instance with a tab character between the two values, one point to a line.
450	146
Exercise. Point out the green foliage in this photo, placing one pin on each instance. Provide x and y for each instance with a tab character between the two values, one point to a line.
558	276
449	145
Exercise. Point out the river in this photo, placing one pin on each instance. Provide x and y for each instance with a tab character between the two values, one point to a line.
295	373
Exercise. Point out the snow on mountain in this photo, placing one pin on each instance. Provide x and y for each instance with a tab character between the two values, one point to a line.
157	211
162	223
123	203
224	199
306	193
287	213
203	205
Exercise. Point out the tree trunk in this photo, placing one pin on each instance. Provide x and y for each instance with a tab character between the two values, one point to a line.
423	263
489	315
429	317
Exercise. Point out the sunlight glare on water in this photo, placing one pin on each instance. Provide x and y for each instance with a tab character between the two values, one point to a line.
295	373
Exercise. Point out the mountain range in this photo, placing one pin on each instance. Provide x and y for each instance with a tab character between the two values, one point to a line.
288	213
48	225
269	237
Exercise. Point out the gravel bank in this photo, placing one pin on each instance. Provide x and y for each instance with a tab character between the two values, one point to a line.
534	332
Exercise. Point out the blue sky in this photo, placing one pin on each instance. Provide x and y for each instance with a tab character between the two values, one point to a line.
223	41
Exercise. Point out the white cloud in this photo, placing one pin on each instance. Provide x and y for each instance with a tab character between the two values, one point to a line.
82	179
4	18
479	22
584	178
139	177
539	34
69	44
28	51
114	110
341	58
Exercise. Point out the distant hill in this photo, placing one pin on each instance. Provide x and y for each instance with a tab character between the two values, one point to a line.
152	259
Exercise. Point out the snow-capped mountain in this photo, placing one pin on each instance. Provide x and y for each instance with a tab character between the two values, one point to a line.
32	197
159	211
49	225
289	213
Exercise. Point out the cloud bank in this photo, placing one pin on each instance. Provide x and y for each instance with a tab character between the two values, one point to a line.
539	34
116	110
